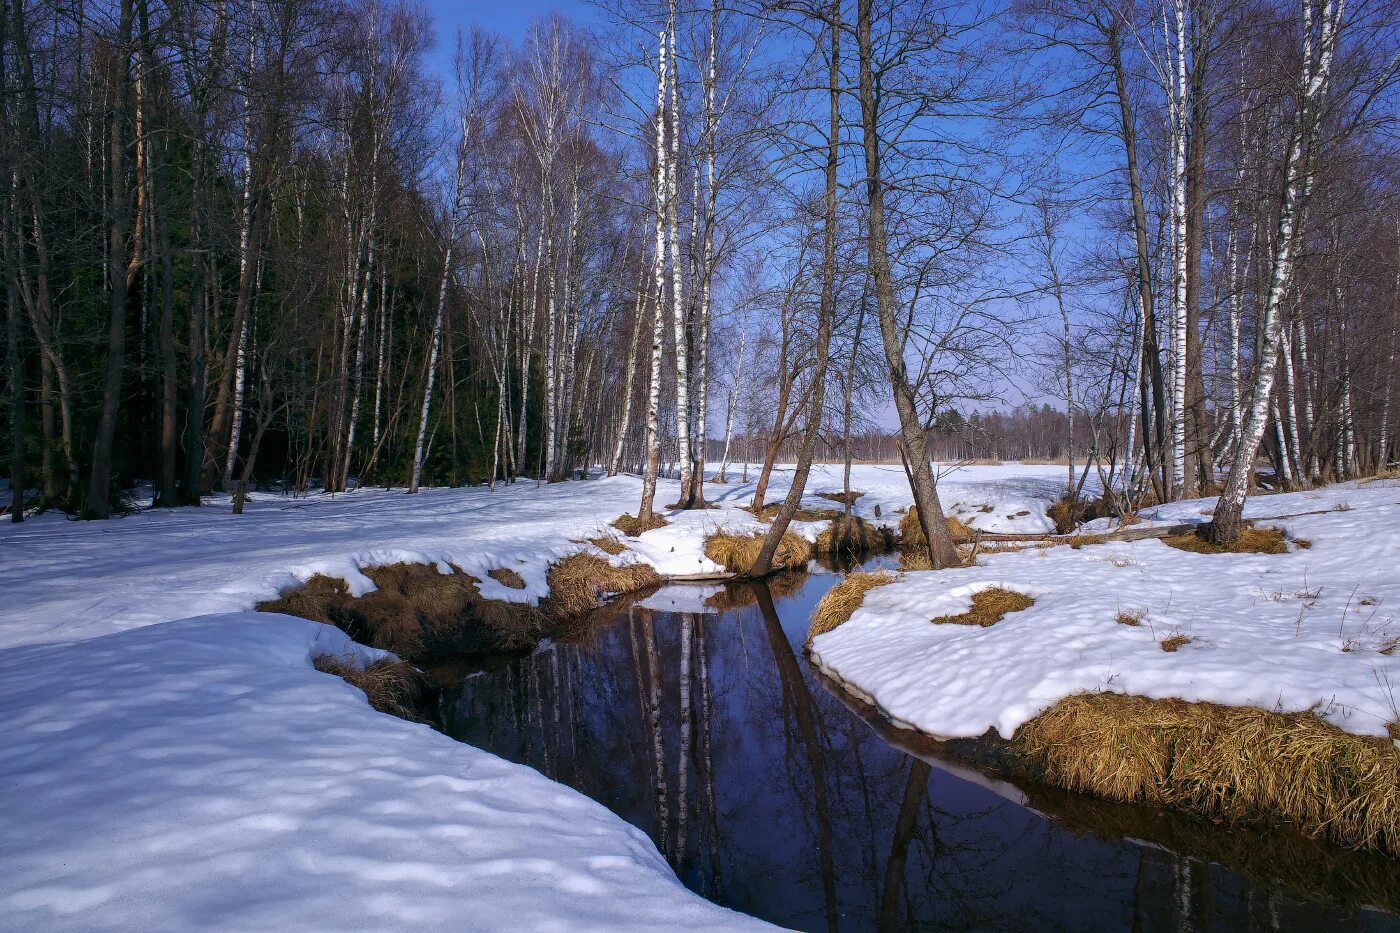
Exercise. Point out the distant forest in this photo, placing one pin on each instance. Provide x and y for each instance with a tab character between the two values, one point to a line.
267	240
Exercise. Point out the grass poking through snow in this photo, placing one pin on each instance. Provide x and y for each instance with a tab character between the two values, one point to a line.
989	607
1251	540
632	526
1173	642
507	577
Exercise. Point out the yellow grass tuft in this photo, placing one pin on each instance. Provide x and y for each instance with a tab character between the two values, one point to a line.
844	599
770	510
507	577
391	686
1173	642
632	526
1234	763
911	533
736	553
853	536
989	607
608	545
582	582
1129	618
1079	541
1251	540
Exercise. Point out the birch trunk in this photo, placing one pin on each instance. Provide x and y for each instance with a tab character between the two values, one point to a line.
1297	176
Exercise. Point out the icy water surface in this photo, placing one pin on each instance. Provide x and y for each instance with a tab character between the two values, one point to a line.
769	793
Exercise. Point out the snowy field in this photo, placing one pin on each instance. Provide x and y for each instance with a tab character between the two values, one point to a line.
163	771
1316	628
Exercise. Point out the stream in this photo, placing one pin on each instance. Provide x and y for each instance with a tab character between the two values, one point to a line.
770	792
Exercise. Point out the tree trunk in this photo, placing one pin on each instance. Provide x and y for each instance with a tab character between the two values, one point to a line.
942	552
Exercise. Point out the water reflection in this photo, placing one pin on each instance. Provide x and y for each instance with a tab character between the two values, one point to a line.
769	794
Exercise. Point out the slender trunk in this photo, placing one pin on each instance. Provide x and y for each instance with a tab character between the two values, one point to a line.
942	552
118	246
826	309
1297	177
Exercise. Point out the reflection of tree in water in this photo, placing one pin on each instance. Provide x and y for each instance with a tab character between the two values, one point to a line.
767	793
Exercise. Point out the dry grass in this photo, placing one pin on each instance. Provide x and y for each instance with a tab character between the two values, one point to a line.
507	577
989	607
852	536
911	532
1173	642
844	599
392	686
415	612
632	526
841	497
1251	540
801	515
1232	763
736	553
1128	618
608	545
582	582
1079	541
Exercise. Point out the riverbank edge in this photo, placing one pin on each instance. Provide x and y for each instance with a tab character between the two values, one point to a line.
1113	746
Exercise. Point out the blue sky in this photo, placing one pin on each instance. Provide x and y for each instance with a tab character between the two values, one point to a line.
508	18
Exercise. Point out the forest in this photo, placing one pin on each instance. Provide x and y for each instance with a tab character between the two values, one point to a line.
274	243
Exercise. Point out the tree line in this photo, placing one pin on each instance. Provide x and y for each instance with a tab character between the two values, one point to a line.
275	241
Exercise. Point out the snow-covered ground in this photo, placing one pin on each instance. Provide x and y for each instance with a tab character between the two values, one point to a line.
1316	628
173	760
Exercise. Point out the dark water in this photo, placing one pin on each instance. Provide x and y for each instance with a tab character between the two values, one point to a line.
768	793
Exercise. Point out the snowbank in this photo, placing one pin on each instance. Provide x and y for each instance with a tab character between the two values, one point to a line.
1315	628
203	774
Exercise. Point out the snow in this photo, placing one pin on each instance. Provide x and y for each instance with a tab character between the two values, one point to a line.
1311	629
174	760
203	774
65	581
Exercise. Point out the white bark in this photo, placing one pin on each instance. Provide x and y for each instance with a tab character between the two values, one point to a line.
1296	186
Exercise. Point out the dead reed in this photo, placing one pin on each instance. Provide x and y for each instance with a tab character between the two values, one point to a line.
844	599
736	553
1251	540
989	607
391	686
507	577
1238	764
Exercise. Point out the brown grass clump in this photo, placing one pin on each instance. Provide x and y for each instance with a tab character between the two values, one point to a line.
507	577
736	553
1233	763
989	607
1173	642
1251	540
911	533
841	497
844	599
852	536
632	526
582	582
770	510
1128	618
415	612
1079	541
608	545
391	686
